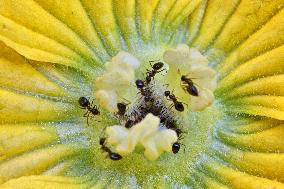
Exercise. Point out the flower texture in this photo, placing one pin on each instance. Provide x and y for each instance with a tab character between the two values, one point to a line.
201	82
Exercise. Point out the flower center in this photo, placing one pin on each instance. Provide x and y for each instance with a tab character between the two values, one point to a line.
163	115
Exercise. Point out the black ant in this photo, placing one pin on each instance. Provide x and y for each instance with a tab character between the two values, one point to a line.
85	104
111	155
129	123
175	147
121	108
144	92
156	69
189	86
178	105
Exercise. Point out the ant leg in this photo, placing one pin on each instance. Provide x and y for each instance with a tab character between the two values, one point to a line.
184	147
102	132
153	60
97	120
168	98
171	106
128	102
87	116
92	103
185	104
167	85
161	70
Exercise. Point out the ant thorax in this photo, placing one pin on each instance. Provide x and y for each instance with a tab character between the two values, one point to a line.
149	110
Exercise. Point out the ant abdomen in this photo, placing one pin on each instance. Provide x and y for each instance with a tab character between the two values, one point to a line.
175	147
112	155
189	86
178	105
84	102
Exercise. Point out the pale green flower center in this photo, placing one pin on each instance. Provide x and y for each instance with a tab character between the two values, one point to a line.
157	116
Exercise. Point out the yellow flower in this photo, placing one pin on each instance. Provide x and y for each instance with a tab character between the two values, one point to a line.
54	52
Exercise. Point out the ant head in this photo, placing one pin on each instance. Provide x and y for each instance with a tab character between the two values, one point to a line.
102	141
183	78
147	98
129	123
179	106
84	102
175	147
167	93
170	125
121	106
139	84
148	78
163	119
158	65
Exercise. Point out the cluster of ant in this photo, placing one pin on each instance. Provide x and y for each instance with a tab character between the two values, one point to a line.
149	102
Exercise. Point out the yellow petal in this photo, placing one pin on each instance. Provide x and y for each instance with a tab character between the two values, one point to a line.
125	11
269	140
215	18
162	9
267	165
264	86
208	182
36	46
61	168
74	15
252	125
265	65
16	107
239	180
145	12
101	14
35	162
17	73
32	16
179	12
269	36
269	106
247	19
16	139
195	20
45	182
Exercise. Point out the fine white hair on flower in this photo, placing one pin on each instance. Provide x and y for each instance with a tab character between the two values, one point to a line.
119	75
146	133
189	62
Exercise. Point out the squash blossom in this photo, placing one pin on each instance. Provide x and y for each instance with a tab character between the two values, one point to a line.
142	94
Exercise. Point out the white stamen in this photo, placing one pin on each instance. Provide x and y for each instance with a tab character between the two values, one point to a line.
107	99
119	74
190	62
147	133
